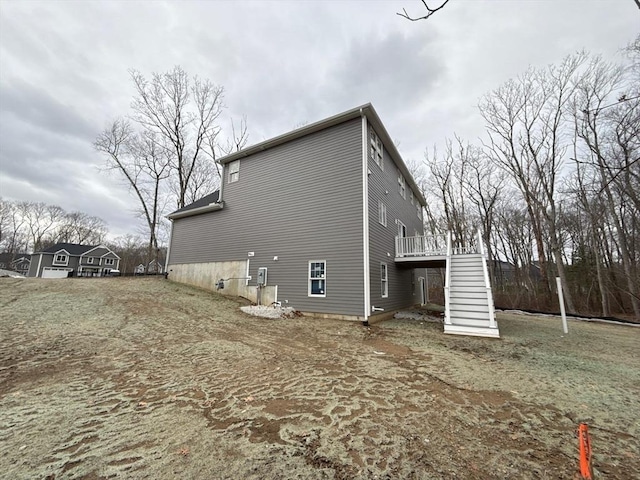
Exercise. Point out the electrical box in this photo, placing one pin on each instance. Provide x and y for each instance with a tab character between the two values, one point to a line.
262	276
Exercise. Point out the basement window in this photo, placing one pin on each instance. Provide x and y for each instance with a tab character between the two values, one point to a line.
317	280
384	283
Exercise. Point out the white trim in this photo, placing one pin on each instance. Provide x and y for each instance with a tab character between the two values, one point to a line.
310	279
275	299
404	227
166	260
106	264
221	182
246	281
62	263
384	292
365	217
39	263
232	171
382	213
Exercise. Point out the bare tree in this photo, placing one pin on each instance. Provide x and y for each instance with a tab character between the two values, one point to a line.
430	11
525	120
40	220
78	227
145	165
182	114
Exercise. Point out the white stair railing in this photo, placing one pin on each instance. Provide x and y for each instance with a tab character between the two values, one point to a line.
487	282
447	283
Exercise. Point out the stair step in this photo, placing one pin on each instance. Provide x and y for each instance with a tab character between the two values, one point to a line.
467	283
472	295
469	300
473	322
479	315
475	277
471	330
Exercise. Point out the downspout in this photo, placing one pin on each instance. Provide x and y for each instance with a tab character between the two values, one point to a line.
221	183
166	260
39	262
365	221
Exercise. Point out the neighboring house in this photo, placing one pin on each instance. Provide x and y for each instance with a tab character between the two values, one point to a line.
70	259
152	268
308	219
18	262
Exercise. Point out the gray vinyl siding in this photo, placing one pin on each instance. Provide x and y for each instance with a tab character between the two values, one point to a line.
299	201
383	185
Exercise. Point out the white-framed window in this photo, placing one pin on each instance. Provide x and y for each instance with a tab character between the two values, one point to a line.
419	210
317	278
402	185
411	196
109	261
90	260
382	213
402	229
376	149
384	280
61	259
234	171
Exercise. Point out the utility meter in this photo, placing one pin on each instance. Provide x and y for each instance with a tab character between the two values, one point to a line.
262	276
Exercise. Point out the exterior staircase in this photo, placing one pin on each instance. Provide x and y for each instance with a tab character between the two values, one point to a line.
469	310
469	306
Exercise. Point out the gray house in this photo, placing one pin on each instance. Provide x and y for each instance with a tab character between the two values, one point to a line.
18	262
308	219
70	259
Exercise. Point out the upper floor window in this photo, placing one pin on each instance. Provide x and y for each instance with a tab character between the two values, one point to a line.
317	274
90	260
109	261
61	259
376	149
382	213
411	196
402	185
419	209
234	171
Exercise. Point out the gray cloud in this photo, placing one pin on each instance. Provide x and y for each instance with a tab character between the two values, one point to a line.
64	72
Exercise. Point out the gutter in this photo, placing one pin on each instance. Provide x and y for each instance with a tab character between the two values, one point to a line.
212	207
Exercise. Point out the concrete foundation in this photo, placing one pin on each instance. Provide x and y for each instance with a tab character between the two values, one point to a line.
207	275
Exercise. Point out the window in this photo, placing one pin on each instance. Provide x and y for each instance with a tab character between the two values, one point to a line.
376	150
317	272
419	210
61	259
234	171
411	196
402	185
384	283
90	260
108	261
382	213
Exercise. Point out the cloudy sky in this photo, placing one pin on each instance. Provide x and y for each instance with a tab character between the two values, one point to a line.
64	72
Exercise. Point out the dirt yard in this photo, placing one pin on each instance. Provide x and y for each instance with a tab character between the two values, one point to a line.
143	378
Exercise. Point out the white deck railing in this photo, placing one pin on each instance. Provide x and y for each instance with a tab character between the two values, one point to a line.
421	245
434	245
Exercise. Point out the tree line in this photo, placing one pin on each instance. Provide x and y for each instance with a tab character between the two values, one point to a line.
32	226
554	185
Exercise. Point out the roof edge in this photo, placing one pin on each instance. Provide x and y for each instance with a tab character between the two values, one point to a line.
212	207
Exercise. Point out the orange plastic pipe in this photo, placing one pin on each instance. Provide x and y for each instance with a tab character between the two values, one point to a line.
585	452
